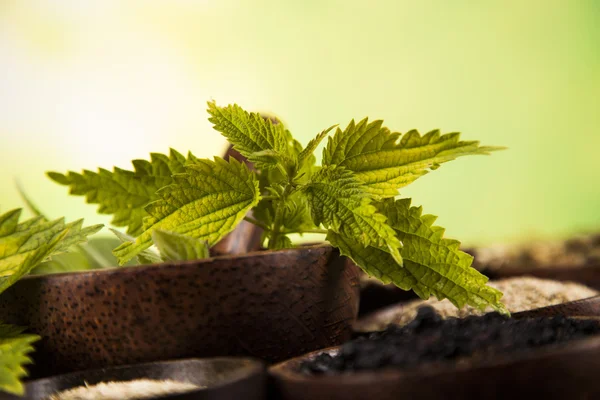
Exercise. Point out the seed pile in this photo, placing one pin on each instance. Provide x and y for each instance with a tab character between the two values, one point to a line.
126	390
583	250
520	294
429	338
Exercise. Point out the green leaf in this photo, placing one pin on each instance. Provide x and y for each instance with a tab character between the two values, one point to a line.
23	246
296	218
95	254
145	257
206	202
264	212
433	265
98	251
385	164
275	176
82	257
14	349
177	247
123	193
64	262
76	234
339	202
312	145
296	214
377	263
283	242
260	140
273	159
9	222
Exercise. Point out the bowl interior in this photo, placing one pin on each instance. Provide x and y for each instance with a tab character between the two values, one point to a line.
589	308
218	376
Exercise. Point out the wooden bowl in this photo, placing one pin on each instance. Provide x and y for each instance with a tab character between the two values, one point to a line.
375	296
271	305
589	307
221	378
588	275
566	372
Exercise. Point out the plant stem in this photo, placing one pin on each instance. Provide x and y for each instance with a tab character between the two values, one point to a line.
278	220
257	223
282	170
323	231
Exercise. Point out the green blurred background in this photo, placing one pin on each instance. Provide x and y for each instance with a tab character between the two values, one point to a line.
88	84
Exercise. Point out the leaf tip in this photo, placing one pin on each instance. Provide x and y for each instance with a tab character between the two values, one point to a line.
124	253
58	177
489	149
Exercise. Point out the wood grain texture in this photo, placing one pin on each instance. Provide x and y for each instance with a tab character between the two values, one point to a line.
271	305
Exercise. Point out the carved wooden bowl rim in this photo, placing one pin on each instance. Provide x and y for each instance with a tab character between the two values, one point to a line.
514	269
210	260
577	308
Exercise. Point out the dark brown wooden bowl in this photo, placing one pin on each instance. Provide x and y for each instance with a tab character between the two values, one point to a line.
270	305
589	307
567	372
588	275
221	378
375	296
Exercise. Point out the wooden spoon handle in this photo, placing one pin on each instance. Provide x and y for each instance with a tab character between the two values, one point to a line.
246	236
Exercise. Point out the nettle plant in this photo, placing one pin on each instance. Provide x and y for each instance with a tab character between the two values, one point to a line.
184	205
350	198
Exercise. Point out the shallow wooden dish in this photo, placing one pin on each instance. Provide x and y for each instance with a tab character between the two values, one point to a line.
589	307
222	378
566	372
271	305
588	275
375	296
